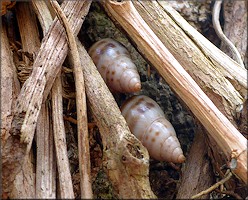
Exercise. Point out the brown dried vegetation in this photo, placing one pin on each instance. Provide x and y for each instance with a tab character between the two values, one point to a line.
43	148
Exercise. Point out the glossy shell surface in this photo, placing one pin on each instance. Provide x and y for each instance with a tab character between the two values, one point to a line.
115	66
147	122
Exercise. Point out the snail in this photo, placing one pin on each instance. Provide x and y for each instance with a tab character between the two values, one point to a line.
115	66
147	122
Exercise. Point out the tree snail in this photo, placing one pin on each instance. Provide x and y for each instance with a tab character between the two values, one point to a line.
147	122
115	66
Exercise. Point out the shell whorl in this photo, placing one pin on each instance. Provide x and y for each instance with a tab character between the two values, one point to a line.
147	122
115	66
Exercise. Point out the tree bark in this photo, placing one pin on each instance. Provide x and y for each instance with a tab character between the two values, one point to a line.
10	88
125	158
197	171
24	184
82	121
45	157
36	88
207	75
235	27
228	67
65	182
187	46
220	128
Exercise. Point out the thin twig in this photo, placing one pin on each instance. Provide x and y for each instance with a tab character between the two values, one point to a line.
226	65
43	14
47	64
65	181
230	193
45	183
83	143
70	119
213	187
216	23
30	41
46	163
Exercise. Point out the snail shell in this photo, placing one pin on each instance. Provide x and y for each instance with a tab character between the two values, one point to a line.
115	66
147	122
